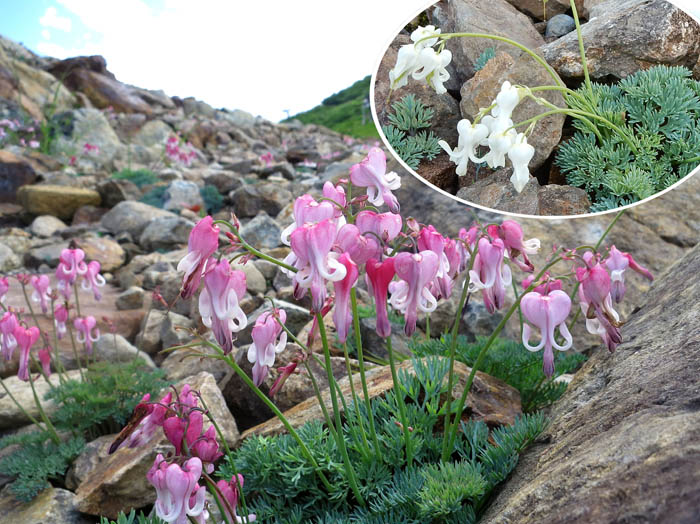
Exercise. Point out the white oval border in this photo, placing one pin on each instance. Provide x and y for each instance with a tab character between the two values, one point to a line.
471	204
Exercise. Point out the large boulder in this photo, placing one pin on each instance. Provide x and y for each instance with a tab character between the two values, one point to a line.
624	37
131	217
59	201
87	126
15	172
545	10
624	439
51	506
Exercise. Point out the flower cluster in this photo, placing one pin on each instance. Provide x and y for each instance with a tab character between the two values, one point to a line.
25	135
421	61
496	131
178	151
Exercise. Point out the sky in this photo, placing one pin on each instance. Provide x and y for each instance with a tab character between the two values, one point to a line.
262	57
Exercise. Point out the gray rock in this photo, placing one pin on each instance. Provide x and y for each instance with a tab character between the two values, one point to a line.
182	194
548	10
132	217
181	363
297	318
173	331
166	232
262	231
627	36
112	191
559	26
376	345
250	199
47	254
15	172
148	339
58	200
8	259
89	126
51	506
153	133
224	181
255	281
623	441
46	226
115	348
131	298
495	191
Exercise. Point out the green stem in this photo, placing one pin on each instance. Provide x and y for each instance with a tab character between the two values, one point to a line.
321	403
60	368
355	400
24	411
254	251
582	51
245	378
688	160
591	125
340	439
49	426
453	345
363	378
75	350
401	402
482	354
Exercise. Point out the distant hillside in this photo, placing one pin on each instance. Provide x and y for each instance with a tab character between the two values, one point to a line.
343	112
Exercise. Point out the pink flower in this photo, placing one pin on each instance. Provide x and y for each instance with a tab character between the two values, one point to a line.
371	173
4	288
379	276
218	303
489	274
342	316
26	338
60	316
8	326
616	263
230	492
311	243
308	211
93	280
87	331
183	429
284	373
359	247
178	495
71	265
202	244
546	312
154	419
261	353
512	235
91	148
42	291
45	359
337	195
34	144
385	226
268	158
596	302
411	293
429	239
206	447
73	160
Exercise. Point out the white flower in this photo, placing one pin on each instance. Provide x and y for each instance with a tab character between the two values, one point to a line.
431	68
423	32
470	136
506	101
500	140
520	155
406	63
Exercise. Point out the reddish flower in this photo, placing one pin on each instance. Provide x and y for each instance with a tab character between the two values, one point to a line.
411	293
202	244
342	316
8	326
26	338
379	276
265	345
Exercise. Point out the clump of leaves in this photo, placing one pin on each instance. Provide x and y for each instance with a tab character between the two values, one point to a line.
406	131
131	518
140	177
102	403
281	487
510	362
155	197
37	461
658	110
213	201
488	54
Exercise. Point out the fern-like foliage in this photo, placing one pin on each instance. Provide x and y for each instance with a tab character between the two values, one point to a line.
281	487
213	201
132	518
510	362
407	132
658	110
484	57
140	177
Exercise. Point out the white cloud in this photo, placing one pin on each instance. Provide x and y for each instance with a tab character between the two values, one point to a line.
53	20
260	57
45	34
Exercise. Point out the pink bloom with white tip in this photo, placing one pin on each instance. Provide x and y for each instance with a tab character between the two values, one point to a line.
546	312
489	274
265	346
371	173
230	492
26	338
4	288
178	495
429	239
202	244
512	235
379	276
60	316
308	211
312	243
337	195
617	262
342	316
87	331
93	280
71	265
42	290
218	303
596	302
45	360
412	293
8	326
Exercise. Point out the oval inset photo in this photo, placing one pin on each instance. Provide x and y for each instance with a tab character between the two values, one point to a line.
554	108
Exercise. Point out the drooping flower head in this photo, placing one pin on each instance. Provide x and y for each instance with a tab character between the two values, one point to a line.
360	248
71	265
4	288
520	154
371	173
261	353
311	244
42	291
92	280
218	303
411	293
596	302
26	338
489	274
470	137
337	195
230	492
379	276
308	211
206	447
506	101
342	316
45	360
617	262
547	312
202	244
87	331
60	316
386	226
512	235
431	66
8	325
178	494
